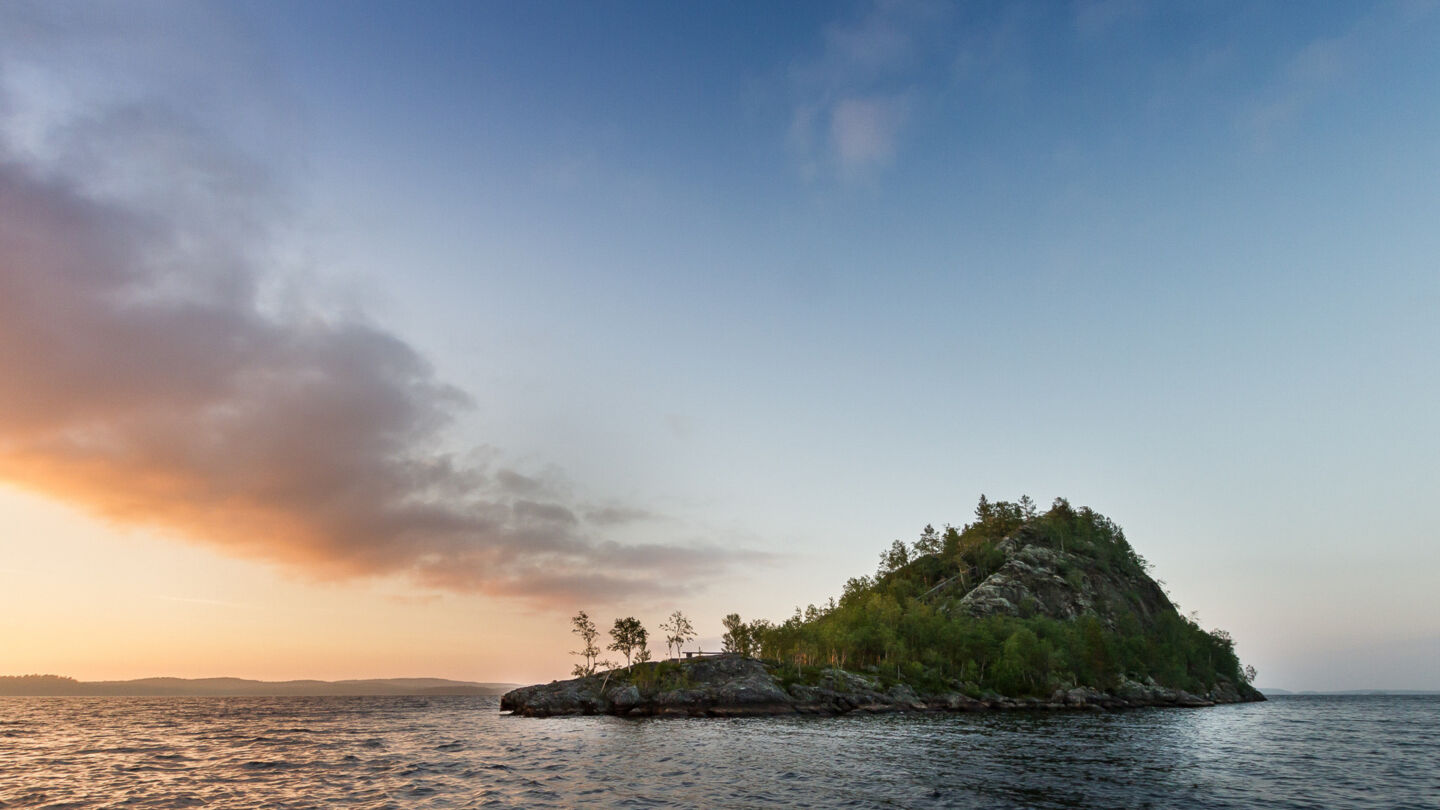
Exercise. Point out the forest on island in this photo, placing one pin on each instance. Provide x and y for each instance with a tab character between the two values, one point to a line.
908	624
893	625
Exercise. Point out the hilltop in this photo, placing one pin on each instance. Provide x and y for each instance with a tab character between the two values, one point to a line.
1016	609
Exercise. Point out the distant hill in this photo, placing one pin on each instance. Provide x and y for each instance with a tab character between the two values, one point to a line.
59	685
1306	692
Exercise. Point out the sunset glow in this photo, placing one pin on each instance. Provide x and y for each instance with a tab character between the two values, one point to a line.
351	340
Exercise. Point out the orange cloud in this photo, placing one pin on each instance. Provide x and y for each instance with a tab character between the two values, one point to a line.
142	378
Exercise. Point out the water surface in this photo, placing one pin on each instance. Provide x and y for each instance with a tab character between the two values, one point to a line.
459	752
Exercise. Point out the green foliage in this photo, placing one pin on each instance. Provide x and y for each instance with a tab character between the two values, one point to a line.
660	676
894	558
629	639
929	542
892	624
739	636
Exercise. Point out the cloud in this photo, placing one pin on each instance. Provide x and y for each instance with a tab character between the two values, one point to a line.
878	41
1306	78
150	373
618	516
863	130
1310	76
853	98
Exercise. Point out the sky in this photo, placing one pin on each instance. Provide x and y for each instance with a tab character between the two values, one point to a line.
373	339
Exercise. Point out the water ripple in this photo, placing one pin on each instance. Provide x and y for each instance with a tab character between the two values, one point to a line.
1356	752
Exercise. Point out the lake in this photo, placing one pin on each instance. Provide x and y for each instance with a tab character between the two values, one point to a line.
1309	751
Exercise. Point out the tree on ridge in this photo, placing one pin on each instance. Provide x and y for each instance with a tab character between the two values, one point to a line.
737	638
629	637
589	634
677	630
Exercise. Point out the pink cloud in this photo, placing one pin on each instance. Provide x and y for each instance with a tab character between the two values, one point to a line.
143	378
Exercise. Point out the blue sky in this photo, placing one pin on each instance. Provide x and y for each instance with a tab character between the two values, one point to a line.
791	281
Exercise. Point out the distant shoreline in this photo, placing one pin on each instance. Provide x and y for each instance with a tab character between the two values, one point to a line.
1350	692
61	686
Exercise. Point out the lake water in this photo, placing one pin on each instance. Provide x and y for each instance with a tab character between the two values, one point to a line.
1313	752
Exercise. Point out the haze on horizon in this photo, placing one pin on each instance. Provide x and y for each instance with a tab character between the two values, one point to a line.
354	340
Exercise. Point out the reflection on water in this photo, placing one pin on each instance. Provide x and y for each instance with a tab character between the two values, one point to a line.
459	752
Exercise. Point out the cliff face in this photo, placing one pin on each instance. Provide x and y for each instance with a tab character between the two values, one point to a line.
1038	579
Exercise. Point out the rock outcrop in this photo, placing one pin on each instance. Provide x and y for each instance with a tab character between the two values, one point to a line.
1046	581
732	686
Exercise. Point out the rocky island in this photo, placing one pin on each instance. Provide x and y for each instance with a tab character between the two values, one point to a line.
1016	610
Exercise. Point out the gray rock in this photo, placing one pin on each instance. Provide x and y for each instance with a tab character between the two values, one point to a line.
1224	692
902	693
806	694
758	688
1132	690
1084	696
623	697
847	682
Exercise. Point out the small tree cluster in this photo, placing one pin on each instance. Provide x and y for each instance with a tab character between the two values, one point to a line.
627	637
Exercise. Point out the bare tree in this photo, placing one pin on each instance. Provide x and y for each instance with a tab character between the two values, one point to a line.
589	634
677	630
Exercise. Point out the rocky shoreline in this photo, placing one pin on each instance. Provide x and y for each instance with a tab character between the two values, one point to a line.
732	686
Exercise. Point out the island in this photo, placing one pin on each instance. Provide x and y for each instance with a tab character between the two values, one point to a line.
1017	609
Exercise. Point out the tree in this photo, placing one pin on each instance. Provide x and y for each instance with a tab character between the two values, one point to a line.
629	636
1061	509
737	637
758	631
929	542
589	634
855	588
1250	674
950	540
894	558
1027	507
677	630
